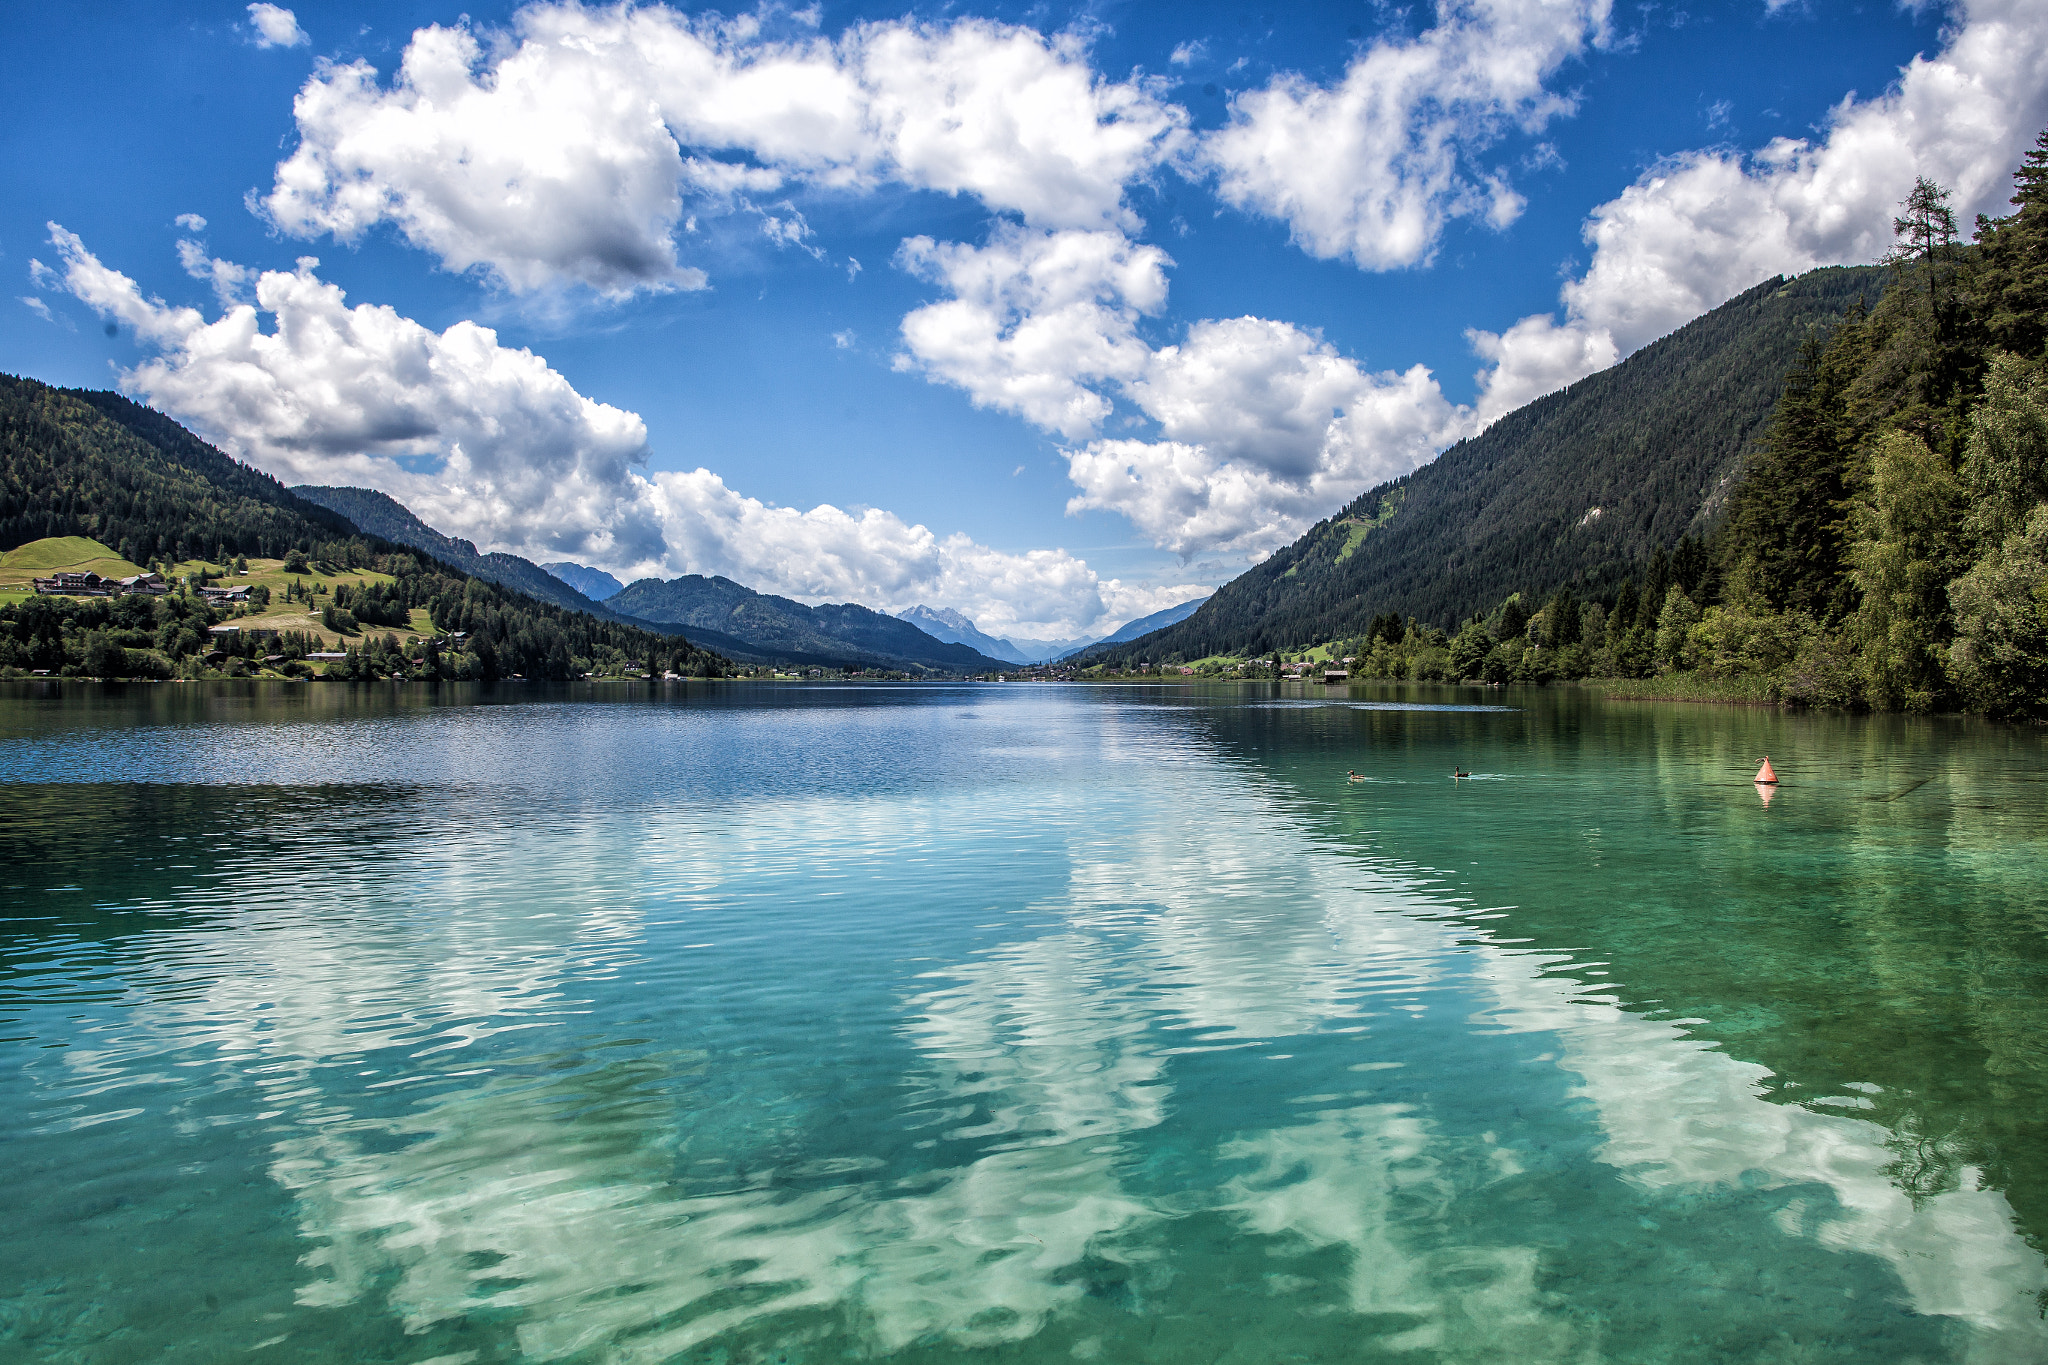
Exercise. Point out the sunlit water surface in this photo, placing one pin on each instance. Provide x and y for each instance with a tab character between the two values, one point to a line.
1016	1023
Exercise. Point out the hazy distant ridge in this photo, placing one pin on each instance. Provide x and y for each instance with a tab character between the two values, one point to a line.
943	623
1158	620
777	628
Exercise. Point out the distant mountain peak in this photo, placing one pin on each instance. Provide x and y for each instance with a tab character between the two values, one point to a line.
956	628
594	584
945	616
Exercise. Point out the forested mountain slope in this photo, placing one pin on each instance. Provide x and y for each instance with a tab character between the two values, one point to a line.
80	463
772	629
1884	545
1579	486
75	463
780	628
379	514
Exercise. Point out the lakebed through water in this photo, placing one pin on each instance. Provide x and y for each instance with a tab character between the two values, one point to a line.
730	1023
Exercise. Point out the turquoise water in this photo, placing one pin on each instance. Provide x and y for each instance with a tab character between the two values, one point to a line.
1017	1023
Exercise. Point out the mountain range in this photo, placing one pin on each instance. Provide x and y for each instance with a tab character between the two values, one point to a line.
720	614
1575	488
1158	620
735	619
943	623
1579	487
715	613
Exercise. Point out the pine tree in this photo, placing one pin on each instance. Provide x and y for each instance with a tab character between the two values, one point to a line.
2012	280
1624	614
1563	614
1927	238
1656	583
1790	514
1514	620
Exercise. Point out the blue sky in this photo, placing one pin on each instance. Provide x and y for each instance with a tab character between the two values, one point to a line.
1050	314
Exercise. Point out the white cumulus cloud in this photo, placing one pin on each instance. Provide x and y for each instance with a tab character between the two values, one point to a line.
1034	319
230	281
1701	227
1370	169
1266	429
569	149
877	558
490	443
362	395
1261	427
276	27
575	147
564	152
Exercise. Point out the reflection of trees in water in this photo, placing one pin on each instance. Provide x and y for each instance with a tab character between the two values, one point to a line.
1926	1164
120	858
1882	935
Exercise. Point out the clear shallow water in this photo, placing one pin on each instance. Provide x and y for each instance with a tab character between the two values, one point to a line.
1017	1023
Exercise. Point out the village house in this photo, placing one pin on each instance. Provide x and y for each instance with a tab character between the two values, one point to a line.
86	584
229	631
89	584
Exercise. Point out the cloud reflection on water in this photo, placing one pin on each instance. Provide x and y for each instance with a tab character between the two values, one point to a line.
549	1176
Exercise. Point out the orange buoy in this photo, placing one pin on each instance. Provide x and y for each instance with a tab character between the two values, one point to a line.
1767	776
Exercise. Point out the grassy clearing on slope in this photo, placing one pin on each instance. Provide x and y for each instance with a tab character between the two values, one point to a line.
61	554
283	615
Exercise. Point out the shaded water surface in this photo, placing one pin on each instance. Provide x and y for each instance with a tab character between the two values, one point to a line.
1021	1023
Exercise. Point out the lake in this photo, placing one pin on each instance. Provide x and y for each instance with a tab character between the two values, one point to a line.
772	1023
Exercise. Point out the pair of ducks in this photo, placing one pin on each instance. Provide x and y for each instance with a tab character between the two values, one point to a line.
1355	777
